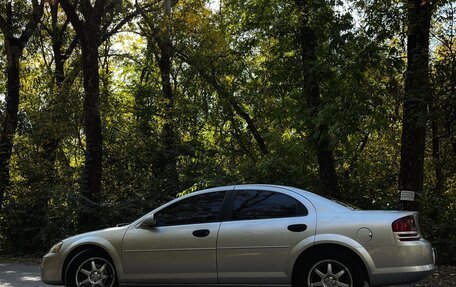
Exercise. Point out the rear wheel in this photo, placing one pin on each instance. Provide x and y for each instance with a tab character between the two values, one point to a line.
329	270
91	269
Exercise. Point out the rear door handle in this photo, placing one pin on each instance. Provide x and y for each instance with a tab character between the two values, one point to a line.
297	227
201	233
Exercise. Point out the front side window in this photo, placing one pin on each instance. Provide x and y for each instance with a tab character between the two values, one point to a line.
201	208
261	204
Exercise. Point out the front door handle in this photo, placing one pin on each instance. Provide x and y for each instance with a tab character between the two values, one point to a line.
297	227
201	233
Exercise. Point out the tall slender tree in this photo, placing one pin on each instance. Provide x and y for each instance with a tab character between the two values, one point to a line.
92	30
15	40
319	131
63	43
156	26
168	161
88	33
417	99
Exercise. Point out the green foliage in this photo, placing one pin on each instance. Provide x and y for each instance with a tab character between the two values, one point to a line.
243	59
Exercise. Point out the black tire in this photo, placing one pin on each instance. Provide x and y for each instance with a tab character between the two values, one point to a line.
90	266
333	268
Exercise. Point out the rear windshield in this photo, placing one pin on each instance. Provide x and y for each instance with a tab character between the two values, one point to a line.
343	203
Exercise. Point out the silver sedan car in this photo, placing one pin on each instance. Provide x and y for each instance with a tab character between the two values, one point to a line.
247	235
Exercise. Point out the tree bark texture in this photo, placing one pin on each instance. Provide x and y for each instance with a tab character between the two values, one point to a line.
416	101
14	46
13	51
439	176
50	142
91	178
319	132
168	161
88	33
92	118
166	165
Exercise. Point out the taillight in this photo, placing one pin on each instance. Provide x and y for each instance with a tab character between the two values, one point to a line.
404	224
406	229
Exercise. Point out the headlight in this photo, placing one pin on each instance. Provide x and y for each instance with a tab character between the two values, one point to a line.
56	247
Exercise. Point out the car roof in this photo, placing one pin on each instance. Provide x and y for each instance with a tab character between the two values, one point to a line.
321	203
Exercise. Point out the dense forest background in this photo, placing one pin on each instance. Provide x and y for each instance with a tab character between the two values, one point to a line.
112	107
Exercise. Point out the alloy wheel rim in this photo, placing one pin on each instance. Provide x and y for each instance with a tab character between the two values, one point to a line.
329	273
95	272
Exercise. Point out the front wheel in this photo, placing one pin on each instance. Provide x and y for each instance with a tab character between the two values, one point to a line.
90	269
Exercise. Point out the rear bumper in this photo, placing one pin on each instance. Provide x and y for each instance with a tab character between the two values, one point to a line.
407	262
51	272
404	275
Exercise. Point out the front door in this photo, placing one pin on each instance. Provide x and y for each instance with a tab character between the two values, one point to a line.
181	248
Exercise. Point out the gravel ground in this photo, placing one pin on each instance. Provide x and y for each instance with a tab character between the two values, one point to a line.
14	273
444	276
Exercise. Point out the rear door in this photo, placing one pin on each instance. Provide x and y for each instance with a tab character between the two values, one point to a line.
259	234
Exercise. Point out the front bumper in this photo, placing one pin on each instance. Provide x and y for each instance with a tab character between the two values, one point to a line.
404	263
51	269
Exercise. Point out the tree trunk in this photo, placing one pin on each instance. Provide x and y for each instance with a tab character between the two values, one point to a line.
50	141
416	100
319	136
167	165
169	157
90	35
59	62
57	33
14	45
91	179
13	51
439	177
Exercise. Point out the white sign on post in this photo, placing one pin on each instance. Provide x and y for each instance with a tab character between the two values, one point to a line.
407	195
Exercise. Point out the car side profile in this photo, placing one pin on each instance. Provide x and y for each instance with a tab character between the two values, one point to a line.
256	235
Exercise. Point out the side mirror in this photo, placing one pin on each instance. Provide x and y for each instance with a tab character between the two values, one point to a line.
149	222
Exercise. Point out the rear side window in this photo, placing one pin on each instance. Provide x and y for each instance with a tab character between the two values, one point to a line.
201	208
261	204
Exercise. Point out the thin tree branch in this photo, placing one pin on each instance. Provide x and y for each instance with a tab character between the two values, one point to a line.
212	80
46	28
107	34
64	28
71	47
3	24
37	12
43	51
70	11
138	11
